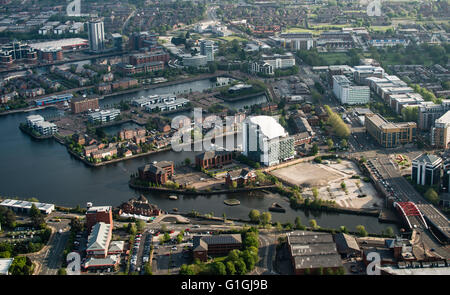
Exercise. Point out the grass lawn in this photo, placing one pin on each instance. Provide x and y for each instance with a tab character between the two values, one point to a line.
232	37
381	28
332	57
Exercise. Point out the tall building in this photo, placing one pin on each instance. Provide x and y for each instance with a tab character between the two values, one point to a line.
265	141
348	93
389	134
440	133
426	169
428	114
96	34
207	49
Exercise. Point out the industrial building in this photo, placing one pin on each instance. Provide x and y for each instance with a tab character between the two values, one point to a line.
389	134
311	251
426	169
265	141
25	206
348	93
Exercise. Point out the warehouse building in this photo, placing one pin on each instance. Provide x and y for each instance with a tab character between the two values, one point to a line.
311	251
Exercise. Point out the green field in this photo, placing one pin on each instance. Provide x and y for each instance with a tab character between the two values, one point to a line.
232	37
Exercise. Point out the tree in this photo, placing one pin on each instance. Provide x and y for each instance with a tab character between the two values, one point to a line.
279	227
361	231
241	268
219	268
329	271
432	196
62	272
344	229
344	143
231	270
298	223
315	149
313	223
187	161
234	255
254	215
389	231
147	269
132	230
37	219
330	143
315	192
265	218
140	225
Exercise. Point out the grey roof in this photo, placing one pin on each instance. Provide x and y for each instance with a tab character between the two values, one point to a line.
427	158
5	264
201	243
211	154
345	242
311	250
108	260
98	239
156	168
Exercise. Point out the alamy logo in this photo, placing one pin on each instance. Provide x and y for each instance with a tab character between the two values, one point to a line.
73	263
74	8
373	268
374	8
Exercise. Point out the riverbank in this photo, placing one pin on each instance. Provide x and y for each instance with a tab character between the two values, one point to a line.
196	192
237	98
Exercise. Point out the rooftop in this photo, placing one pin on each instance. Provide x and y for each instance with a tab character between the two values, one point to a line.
427	158
269	126
5	264
98	239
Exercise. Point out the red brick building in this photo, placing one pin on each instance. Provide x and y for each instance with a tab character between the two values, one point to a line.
215	245
213	159
81	105
158	173
98	214
127	134
241	177
140	207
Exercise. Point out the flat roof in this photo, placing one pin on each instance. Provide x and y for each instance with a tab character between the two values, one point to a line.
417	271
26	205
59	43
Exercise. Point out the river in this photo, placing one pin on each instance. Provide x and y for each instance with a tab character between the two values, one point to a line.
46	171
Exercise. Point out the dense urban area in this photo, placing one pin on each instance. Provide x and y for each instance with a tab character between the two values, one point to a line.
315	137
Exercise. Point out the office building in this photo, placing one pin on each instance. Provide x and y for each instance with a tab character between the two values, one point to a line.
389	134
159	172
440	133
96	34
16	51
280	61
103	116
80	105
98	240
348	93
207	49
213	159
46	128
265	141
365	71
98	214
260	67
195	61
426	169
215	245
428	114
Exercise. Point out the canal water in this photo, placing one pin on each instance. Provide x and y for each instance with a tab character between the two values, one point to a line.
45	170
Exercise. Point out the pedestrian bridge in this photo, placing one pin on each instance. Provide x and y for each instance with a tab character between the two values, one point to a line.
411	214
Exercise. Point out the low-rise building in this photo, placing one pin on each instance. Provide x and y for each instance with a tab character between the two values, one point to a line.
98	240
347	245
312	251
98	214
5	264
109	262
159	172
140	207
215	245
213	159
240	177
25	206
103	116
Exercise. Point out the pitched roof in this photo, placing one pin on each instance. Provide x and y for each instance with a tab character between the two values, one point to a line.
211	154
98	239
427	158
201	243
345	242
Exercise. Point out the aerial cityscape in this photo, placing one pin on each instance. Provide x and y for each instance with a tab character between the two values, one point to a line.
231	137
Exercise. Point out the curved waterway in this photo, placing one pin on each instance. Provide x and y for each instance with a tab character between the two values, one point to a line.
45	170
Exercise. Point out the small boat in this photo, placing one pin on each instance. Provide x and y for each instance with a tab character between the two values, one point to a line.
232	202
277	208
175	209
173	197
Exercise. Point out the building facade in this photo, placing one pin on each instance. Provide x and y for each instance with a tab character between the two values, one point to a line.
82	105
348	93
389	134
426	170
96	33
158	173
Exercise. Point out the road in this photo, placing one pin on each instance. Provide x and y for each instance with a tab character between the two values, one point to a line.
267	251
